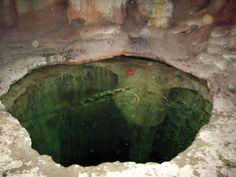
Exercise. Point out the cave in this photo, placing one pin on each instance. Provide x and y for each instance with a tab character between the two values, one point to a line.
106	88
99	112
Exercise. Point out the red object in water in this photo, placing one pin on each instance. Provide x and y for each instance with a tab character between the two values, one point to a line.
130	73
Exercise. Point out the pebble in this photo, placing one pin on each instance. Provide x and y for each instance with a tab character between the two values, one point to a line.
35	44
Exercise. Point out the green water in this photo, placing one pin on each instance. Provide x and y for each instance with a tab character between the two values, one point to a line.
97	112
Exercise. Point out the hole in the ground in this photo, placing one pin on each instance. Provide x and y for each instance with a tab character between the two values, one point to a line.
115	110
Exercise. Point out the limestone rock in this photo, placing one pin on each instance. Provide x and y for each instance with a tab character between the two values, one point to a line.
219	32
161	13
215	49
208	58
232	41
198	20
145	33
213	59
7	13
102	32
229	55
2	107
218	41
7	19
10	10
25	6
180	29
233	30
92	11
221	64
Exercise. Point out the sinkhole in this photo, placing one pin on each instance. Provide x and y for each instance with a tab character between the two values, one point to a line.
120	109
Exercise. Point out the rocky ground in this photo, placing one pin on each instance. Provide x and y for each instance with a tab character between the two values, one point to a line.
208	52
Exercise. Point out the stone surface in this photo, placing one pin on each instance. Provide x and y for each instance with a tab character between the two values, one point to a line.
229	55
209	58
159	12
232	41
25	6
93	11
211	154
218	41
215	49
219	32
102	32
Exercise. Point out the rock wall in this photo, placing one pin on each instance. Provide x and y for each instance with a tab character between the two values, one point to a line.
10	10
93	11
158	12
153	13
